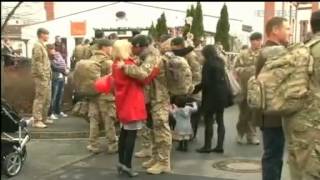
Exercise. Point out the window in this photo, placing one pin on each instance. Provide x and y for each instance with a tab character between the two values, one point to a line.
303	30
122	32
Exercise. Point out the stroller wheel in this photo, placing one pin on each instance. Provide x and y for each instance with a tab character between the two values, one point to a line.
12	164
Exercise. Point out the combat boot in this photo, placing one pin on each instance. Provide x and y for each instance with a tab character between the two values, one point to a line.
93	149
39	124
149	163
253	140
159	168
144	152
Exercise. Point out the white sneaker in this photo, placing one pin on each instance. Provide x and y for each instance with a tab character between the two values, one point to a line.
62	114
53	117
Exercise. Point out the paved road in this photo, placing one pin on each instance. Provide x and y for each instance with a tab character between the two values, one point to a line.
68	159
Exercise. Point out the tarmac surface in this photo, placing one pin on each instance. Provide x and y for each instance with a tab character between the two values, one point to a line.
62	157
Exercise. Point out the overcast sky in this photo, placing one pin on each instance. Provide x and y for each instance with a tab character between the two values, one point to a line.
245	11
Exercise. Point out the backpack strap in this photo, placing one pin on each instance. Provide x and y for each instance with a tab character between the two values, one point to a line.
312	42
309	45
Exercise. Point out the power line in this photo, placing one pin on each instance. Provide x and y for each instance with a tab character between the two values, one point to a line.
181	11
99	7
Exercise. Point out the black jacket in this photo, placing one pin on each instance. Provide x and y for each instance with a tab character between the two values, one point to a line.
215	91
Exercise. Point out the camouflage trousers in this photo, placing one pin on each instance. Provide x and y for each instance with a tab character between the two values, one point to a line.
42	100
102	111
302	132
161	134
245	125
146	140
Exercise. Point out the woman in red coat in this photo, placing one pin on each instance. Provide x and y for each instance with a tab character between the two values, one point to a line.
130	103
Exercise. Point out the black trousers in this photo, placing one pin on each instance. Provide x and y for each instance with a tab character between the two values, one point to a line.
195	119
208	119
273	146
126	146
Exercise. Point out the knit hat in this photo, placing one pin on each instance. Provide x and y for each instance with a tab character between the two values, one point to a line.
140	41
255	36
104	42
177	41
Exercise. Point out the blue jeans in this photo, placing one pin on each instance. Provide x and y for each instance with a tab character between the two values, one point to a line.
273	146
57	95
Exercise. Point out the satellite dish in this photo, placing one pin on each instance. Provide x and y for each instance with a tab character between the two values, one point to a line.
121	14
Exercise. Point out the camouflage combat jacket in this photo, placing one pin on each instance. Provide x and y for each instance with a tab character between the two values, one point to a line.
40	65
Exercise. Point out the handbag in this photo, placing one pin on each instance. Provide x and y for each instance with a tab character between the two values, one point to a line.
233	83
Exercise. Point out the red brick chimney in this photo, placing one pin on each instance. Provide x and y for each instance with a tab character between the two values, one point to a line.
315	6
49	7
269	12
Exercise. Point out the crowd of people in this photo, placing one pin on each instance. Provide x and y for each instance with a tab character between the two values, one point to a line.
133	93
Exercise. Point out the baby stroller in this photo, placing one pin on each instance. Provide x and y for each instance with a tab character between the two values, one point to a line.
14	151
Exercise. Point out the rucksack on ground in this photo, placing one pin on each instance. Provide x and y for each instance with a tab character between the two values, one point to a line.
84	76
283	80
179	75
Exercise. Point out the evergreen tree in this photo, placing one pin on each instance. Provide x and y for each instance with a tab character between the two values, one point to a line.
186	27
152	31
192	11
164	27
188	13
197	26
223	27
161	27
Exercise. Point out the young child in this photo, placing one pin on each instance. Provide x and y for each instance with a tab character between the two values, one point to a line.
182	113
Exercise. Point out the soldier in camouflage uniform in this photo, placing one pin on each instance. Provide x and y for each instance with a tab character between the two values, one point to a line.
245	68
302	129
102	108
89	52
81	51
159	103
94	46
178	46
41	73
146	131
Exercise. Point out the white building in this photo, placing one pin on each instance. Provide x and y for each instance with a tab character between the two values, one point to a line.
298	14
137	16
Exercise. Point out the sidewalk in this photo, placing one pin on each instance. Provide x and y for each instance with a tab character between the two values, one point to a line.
70	127
54	159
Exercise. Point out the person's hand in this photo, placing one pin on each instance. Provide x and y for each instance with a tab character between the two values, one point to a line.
120	64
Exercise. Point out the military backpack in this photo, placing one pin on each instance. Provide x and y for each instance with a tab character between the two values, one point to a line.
85	74
283	80
179	75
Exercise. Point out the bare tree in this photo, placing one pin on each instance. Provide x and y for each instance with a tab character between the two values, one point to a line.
9	15
27	13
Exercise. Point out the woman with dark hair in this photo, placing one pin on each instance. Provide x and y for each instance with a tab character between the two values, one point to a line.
215	97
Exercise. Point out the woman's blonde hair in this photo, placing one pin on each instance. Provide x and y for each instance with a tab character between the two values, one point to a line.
122	49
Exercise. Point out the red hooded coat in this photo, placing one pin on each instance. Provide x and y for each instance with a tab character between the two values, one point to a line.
129	93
